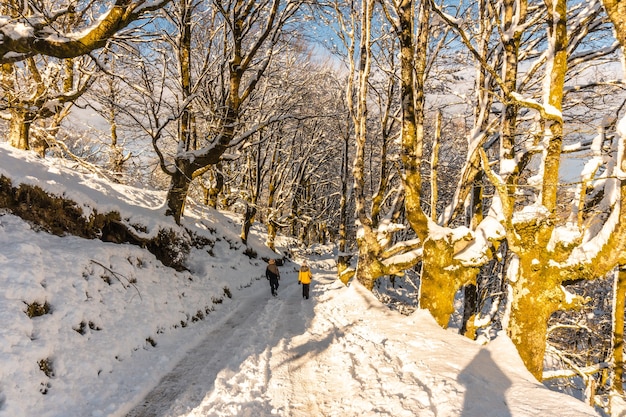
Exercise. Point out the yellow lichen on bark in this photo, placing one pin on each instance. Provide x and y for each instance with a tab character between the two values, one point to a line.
441	277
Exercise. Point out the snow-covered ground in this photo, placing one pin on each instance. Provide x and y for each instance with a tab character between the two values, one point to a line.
125	335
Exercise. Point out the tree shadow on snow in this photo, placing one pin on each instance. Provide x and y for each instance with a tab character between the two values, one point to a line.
486	386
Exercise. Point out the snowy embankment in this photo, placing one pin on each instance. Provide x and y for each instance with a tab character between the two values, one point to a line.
120	333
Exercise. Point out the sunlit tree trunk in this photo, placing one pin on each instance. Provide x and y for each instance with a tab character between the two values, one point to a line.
367	269
537	293
440	279
19	129
616	11
412	71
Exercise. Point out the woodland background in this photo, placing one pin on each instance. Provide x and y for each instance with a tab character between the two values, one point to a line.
476	147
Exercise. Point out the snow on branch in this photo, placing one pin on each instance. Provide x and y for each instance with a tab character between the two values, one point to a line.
402	248
396	265
24	37
546	111
568	373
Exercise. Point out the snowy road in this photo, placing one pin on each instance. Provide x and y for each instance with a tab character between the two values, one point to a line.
245	366
287	356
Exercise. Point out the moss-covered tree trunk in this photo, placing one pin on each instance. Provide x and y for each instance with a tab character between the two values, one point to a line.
19	130
369	267
216	186
441	277
248	219
616	11
537	291
536	295
366	241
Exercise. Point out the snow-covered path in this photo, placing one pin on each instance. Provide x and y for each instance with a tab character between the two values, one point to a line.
341	353
247	342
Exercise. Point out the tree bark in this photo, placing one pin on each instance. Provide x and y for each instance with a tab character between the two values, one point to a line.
617	344
34	39
177	193
19	130
247	222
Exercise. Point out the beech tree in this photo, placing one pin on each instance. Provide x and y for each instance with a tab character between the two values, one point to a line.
451	257
251	31
344	18
41	90
617	14
33	28
542	259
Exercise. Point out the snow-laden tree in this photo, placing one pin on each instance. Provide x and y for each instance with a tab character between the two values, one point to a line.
292	164
38	94
343	18
107	97
548	248
29	27
524	168
616	11
245	37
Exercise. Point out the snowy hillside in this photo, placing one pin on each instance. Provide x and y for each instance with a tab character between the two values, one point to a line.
113	332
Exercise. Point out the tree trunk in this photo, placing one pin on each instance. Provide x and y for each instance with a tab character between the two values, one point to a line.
441	278
617	385
177	193
366	271
537	291
411	90
272	212
556	71
343	261
247	222
368	268
216	185
19	130
470	303
536	295
271	233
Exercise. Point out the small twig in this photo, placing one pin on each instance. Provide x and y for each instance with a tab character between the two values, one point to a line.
117	275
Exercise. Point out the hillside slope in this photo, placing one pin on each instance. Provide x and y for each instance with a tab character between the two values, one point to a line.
91	328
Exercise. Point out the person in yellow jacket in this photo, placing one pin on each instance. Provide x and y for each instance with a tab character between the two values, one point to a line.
304	278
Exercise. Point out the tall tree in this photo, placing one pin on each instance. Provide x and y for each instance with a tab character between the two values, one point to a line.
40	89
250	32
33	30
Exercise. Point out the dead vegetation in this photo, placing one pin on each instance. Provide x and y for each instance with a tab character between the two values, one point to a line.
61	216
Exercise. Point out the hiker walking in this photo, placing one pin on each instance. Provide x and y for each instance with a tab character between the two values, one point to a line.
304	278
273	275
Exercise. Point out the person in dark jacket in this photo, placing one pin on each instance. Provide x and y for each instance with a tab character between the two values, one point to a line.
272	274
